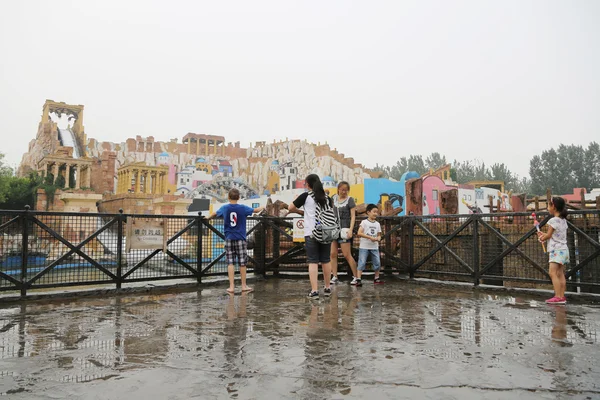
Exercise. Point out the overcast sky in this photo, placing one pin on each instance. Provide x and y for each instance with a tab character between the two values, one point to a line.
493	80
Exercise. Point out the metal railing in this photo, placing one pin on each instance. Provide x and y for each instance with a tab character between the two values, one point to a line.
497	249
56	249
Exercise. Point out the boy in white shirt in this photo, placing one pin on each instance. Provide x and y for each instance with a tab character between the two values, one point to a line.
369	233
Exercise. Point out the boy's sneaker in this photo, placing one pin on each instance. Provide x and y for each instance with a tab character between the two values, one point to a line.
313	295
327	291
354	281
378	281
334	280
557	300
359	282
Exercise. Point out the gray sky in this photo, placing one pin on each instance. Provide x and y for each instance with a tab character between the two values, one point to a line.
499	81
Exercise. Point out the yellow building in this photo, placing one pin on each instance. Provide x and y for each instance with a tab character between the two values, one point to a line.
203	165
357	192
273	182
141	178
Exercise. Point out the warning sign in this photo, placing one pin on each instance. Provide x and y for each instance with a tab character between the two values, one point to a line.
298	229
146	234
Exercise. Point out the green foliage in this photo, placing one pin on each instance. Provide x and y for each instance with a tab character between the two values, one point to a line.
50	192
435	161
49	179
16	193
565	168
20	192
6	174
412	163
60	182
382	169
453	174
71	181
461	172
561	169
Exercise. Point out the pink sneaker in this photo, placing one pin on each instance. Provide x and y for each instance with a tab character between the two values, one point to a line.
557	300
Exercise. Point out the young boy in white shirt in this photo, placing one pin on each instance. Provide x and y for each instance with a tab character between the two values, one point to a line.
369	233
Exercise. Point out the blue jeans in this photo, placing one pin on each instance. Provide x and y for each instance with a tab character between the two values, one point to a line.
363	254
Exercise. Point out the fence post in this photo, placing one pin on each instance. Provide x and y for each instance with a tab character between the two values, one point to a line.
199	247
387	267
476	260
276	250
24	250
120	248
260	238
411	246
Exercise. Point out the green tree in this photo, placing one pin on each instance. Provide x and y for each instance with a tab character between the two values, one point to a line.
416	163
461	171
398	169
522	185
383	169
592	164
500	172
395	171
565	168
16	192
21	192
6	174
470	170
435	161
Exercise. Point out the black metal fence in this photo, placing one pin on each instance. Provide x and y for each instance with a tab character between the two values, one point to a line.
48	249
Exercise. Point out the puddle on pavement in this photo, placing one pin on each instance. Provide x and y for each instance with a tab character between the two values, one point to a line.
388	342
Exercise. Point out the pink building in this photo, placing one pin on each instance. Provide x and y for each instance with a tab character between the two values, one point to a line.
576	196
432	186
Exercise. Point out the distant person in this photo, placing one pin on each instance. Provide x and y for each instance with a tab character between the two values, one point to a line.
346	211
558	251
236	246
369	233
318	232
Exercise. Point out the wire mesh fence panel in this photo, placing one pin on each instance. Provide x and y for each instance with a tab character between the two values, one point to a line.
254	248
584	242
394	238
443	245
11	247
213	248
511	254
282	253
73	252
179	259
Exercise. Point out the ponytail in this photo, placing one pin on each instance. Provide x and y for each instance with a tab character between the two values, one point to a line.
314	183
560	206
564	213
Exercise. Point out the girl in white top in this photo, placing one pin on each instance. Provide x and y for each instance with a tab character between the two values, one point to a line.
557	248
346	212
316	253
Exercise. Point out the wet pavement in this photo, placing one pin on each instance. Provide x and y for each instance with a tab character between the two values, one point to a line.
392	341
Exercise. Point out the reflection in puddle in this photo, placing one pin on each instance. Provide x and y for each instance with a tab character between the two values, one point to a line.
274	343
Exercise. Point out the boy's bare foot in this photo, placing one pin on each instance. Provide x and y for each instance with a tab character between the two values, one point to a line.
247	289
230	291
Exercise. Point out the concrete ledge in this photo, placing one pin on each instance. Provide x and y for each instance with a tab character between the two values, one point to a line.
165	286
185	285
576	297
